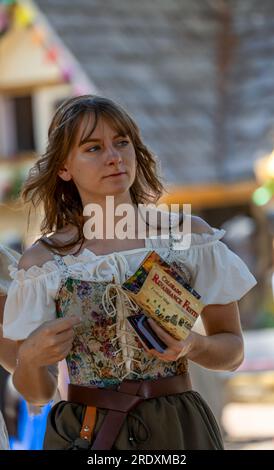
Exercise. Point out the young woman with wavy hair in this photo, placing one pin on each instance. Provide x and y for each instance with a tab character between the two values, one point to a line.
65	299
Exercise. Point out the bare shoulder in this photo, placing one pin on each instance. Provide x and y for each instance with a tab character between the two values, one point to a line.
200	226
36	255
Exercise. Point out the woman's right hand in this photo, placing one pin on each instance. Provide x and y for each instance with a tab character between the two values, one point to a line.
50	343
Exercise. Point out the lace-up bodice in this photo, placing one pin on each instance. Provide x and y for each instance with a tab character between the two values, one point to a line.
105	349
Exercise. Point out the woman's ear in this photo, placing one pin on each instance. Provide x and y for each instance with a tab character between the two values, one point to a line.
64	174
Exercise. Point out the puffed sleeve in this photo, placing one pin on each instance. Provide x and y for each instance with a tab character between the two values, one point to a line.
219	275
7	256
30	301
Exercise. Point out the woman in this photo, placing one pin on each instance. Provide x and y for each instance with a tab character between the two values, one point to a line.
95	150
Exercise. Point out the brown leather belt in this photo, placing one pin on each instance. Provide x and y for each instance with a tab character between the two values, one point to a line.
120	401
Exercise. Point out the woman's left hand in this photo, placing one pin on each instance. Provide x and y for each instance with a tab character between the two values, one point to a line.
175	348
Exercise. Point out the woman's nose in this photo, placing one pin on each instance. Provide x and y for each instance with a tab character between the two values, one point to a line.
112	154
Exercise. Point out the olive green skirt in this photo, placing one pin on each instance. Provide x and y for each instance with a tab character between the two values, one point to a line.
175	422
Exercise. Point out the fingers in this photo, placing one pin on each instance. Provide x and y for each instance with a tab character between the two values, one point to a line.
62	324
166	337
63	340
59	355
64	336
51	342
166	356
154	352
173	346
60	349
63	353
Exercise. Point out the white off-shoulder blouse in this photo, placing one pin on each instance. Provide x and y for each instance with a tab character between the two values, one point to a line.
214	271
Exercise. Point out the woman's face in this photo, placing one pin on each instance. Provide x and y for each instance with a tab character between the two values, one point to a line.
103	165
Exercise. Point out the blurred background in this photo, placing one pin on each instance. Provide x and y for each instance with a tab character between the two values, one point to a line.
198	77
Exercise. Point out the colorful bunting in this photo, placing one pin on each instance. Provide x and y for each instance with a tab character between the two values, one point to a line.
38	35
52	54
23	15
67	73
20	14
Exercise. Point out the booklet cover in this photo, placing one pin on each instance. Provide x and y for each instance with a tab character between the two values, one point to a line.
160	290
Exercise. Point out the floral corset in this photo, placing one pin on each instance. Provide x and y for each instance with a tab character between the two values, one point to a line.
105	349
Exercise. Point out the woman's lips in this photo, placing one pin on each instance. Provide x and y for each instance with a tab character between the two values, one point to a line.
115	175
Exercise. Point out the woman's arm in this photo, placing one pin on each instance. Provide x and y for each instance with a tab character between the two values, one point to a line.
36	384
8	352
8	348
221	349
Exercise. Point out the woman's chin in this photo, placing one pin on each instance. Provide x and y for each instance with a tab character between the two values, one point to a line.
117	188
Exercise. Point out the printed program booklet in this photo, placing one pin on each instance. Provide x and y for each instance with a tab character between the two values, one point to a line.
161	292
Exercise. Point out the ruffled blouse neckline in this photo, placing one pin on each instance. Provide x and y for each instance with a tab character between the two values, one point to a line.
88	254
87	257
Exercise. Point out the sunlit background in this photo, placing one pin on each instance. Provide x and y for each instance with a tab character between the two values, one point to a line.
198	78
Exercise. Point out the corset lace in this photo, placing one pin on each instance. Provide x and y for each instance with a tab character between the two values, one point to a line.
117	303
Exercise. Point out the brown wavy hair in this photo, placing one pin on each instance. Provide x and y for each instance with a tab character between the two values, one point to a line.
60	199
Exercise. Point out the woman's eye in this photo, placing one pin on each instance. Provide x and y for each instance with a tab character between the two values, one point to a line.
93	149
123	143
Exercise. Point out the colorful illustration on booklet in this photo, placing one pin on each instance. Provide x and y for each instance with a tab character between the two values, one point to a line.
161	291
136	281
